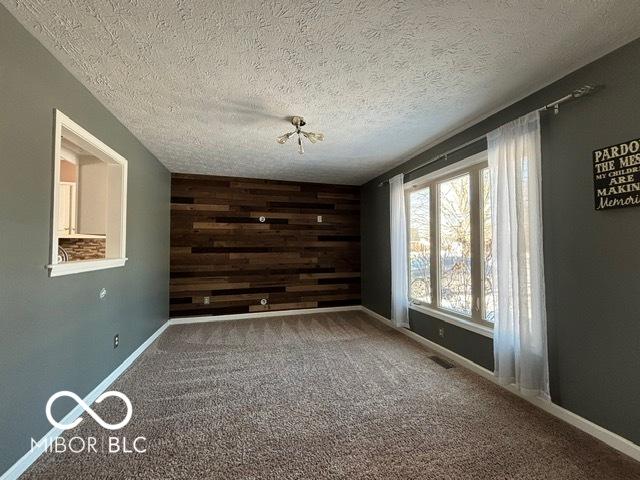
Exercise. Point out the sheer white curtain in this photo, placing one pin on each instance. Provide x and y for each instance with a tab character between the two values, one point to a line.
399	259
520	332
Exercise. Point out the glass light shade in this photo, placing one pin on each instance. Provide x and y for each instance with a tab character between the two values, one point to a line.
283	138
314	137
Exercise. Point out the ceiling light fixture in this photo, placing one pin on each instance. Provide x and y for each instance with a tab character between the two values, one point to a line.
299	122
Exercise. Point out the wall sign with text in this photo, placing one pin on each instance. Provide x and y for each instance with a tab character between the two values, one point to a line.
616	175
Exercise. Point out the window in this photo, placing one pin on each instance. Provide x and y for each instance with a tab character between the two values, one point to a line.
454	216
420	246
488	311
450	244
89	202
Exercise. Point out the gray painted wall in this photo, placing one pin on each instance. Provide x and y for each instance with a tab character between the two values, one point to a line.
56	334
592	258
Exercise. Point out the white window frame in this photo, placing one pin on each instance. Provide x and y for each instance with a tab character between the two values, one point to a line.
474	163
117	188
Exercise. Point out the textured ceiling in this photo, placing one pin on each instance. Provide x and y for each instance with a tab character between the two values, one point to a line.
207	85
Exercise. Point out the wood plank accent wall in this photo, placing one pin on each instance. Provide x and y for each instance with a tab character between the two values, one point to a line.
222	253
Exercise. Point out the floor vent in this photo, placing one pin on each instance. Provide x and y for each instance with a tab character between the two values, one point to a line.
442	362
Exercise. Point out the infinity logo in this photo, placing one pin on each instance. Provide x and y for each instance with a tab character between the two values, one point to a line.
88	409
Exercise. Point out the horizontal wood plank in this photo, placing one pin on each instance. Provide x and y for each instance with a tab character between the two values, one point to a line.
225	258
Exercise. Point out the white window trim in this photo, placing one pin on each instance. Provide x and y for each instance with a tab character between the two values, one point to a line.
440	313
107	154
468	162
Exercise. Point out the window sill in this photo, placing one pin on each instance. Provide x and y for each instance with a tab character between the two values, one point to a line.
69	268
453	320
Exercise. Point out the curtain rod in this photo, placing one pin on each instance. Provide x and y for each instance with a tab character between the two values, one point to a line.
555	105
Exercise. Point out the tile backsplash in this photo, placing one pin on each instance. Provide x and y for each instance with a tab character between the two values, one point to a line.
83	248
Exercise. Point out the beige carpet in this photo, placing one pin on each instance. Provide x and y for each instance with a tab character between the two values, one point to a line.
324	396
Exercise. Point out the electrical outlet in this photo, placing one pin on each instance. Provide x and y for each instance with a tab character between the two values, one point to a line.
319	218
441	332
116	340
206	300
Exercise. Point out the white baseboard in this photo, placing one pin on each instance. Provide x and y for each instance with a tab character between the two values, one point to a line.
612	439
268	313
32	455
